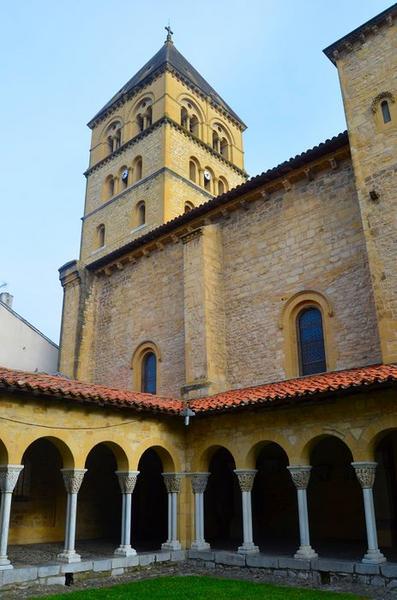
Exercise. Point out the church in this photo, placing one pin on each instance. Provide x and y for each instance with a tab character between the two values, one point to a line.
228	353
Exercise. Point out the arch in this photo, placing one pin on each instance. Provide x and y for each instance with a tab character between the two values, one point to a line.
115	119
166	452
190	104
223	186
111	134
310	338
288	324
194	169
139	354
140	214
188	206
100	235
385	489
137	169
109	187
309	444
142	113
256	449
335	503
223	131
382	96
67	456
147	98
202	459
120	454
4	460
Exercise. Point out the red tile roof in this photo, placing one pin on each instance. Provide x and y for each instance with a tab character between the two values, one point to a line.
52	385
281	392
297	389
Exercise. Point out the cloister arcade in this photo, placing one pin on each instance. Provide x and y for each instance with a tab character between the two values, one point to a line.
250	502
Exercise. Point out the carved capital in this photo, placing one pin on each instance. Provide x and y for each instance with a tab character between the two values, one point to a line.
9	476
300	475
127	480
172	482
365	472
246	478
73	478
199	482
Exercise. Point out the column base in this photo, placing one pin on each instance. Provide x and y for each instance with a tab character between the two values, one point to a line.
125	551
5	563
248	549
374	557
200	546
69	556
305	553
171	546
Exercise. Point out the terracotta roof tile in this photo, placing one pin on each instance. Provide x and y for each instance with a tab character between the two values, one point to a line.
297	389
53	385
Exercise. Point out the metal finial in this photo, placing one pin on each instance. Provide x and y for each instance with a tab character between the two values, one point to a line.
169	32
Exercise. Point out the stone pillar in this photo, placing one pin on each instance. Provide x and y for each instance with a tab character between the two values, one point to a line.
300	476
199	483
73	479
173	484
365	472
8	478
127	481
246	480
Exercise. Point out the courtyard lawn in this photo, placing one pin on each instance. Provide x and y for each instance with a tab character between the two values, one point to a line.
201	588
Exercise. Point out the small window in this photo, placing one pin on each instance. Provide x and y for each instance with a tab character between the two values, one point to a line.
138	169
192	171
139	120
311	342
149	373
184	118
101	235
111	187
194	125
215	141
221	187
188	207
141	212
385	111
224	148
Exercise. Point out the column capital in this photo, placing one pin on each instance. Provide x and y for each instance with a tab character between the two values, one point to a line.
73	478
246	478
199	482
9	476
365	471
172	482
127	480
300	475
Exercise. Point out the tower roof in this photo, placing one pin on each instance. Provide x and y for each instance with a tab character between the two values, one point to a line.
167	57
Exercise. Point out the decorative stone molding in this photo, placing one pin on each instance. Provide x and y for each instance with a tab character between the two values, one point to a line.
199	482
172	482
365	472
300	475
192	235
9	476
246	478
73	478
382	96
127	480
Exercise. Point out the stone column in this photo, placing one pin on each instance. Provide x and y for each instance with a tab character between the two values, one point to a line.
365	472
173	484
246	480
8	478
127	481
300	476
73	479
199	483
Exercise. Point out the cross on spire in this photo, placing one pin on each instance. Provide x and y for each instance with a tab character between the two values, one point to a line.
169	32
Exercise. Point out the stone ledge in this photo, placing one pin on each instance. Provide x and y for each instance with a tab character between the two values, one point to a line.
49	570
366	569
230	558
19	575
330	564
262	561
201	555
77	567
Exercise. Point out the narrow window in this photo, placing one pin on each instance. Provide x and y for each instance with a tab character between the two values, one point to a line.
224	148
311	342
385	111
149	117
221	187
124	177
101	235
215	141
117	140
194	125
138	169
139	120
141	211
149	374
111	187
184	117
110	145
188	207
192	171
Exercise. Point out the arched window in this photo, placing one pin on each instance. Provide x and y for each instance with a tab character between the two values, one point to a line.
124	176
222	186
385	111
110	186
192	171
100	235
184	117
311	341
141	213
215	141
113	136
139	120
188	207
208	178
224	148
149	373
194	125
138	168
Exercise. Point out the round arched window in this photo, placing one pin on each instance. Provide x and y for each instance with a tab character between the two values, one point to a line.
311	341
149	373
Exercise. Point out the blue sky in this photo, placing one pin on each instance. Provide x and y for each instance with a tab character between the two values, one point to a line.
61	61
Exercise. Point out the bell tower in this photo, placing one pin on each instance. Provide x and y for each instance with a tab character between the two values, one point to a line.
165	143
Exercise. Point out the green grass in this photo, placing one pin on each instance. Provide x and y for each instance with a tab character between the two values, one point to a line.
201	588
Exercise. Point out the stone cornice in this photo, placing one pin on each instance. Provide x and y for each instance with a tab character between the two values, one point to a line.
358	36
148	131
240	198
147	81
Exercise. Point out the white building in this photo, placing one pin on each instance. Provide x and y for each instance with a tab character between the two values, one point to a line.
22	346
